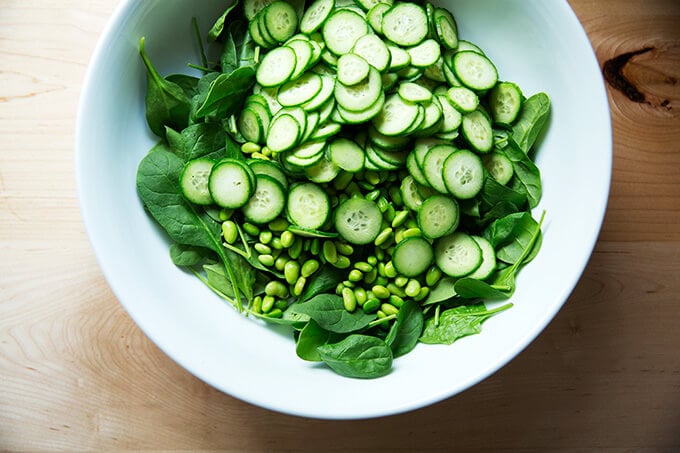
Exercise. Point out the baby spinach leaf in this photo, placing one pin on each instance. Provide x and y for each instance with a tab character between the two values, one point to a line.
189	84
158	187
227	92
229	57
458	322
218	27
217	277
404	333
527	176
311	337
323	281
442	291
187	255
493	193
472	288
498	211
166	102
511	235
203	140
534	114
329	312
295	318
358	356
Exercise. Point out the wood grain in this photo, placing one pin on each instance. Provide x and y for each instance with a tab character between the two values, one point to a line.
77	374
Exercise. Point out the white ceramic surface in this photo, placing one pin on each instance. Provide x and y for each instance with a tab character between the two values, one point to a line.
537	43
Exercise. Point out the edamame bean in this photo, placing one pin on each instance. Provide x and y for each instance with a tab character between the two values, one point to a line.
396	290
267	303
371	306
229	231
369	277
309	267
276	244
412	232
265	237
389	309
363	266
424	292
262	249
396	301
295	250
291	271
380	292
390	271
250	147
225	214
267	260
276	289
287	239
349	300
355	275
373	195
280	224
399	218
342	262
259	156
342	180
315	247
299	286
360	295
330	252
433	276
275	313
257	304
280	304
251	229
401	281
344	248
372	260
412	288
372	178
280	263
382	204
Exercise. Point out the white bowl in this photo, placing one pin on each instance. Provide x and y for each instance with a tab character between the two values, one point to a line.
539	44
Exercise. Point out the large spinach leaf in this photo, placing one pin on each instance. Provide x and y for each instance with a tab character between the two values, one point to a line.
311	337
227	92
458	322
404	333
358	356
167	104
329	312
534	114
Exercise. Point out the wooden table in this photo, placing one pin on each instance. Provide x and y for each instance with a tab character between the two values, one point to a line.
77	374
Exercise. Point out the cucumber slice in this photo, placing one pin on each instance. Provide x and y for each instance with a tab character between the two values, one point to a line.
300	91
250	125
308	206
438	216
324	94
396	116
488	264
463	174
412	193
284	133
361	96
276	67
477	130
304	54
267	202
315	15
475	70
405	24
399	58
322	172
412	256
457	255
499	167
358	221
231	183
463	99
352	69
268	168
374	50
412	92
281	20
346	154
342	30
252	7
350	117
433	166
452	117
446	28
414	169
193	181
505	102
425	54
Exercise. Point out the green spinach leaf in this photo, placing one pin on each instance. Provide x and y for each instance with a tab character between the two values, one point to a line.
311	337
323	281
534	114
456	323
404	333
227	92
188	255
527	176
329	312
166	102
218	27
358	356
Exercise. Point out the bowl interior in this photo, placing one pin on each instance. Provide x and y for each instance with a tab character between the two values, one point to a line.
540	45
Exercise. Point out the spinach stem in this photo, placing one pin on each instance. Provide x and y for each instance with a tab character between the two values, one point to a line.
215	290
379	321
